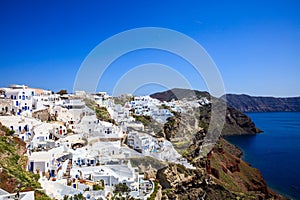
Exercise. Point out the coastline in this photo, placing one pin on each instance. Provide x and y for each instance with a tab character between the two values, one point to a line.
245	157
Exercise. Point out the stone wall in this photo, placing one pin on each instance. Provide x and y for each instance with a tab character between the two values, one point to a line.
5	107
42	115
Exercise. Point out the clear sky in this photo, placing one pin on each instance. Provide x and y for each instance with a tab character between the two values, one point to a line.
255	44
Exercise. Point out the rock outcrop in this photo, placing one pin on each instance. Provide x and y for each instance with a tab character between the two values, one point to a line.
180	183
220	175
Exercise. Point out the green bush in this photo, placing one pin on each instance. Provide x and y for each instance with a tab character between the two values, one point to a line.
121	188
97	187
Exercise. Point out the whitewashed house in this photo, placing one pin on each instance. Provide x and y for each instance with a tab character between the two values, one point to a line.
39	162
41	135
102	99
142	142
161	115
120	113
22	98
46	100
21	125
110	174
88	124
144	105
74	104
81	157
4	195
47	161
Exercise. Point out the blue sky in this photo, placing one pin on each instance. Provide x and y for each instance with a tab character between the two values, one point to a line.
255	44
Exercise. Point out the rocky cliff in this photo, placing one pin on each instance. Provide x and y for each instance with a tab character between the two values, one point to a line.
220	175
246	103
13	163
236	123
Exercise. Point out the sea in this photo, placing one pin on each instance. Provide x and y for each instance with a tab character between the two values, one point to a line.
276	151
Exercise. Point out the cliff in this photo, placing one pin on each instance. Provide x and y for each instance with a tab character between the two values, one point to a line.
246	103
220	175
13	163
236	122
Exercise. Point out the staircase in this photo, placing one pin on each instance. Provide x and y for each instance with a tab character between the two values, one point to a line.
67	174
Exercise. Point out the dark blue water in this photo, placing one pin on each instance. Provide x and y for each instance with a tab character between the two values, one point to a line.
276	151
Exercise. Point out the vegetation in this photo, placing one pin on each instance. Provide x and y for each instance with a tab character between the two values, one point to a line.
7	131
121	188
89	103
164	106
98	187
75	197
146	120
153	195
62	92
101	112
69	130
39	195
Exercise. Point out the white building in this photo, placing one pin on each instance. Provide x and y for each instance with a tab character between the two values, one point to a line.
110	174
4	195
74	104
142	142
144	105
22	98
46	100
21	125
40	162
121	114
161	115
88	124
102	99
41	135
47	161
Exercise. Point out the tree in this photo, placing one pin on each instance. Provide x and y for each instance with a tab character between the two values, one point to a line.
121	188
97	187
79	197
62	92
